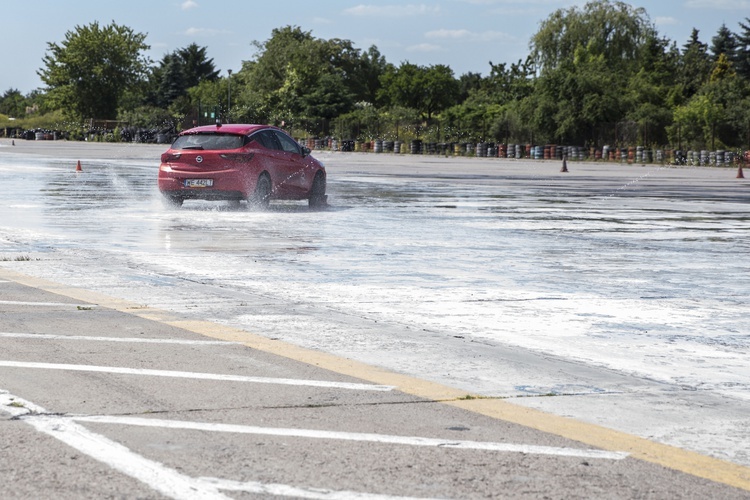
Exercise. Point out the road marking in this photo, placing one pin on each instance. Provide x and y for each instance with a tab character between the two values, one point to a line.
682	460
196	375
166	481
162	479
356	436
45	336
295	492
43	304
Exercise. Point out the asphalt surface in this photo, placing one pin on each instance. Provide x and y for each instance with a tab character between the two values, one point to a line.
105	399
101	397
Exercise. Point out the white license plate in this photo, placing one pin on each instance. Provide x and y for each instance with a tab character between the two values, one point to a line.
199	183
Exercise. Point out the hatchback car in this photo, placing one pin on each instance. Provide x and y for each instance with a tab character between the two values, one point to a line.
234	162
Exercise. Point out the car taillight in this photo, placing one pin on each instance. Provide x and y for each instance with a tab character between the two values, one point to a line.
169	157
238	157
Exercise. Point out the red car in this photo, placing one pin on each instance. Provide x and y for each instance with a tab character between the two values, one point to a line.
236	162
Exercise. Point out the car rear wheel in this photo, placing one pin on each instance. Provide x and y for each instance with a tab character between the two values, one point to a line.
172	201
318	196
262	195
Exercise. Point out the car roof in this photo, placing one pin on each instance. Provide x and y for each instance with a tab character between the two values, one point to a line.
227	128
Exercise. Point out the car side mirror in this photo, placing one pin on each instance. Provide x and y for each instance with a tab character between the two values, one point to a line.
305	151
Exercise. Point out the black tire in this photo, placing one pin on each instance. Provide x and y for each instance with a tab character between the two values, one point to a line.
262	195
318	196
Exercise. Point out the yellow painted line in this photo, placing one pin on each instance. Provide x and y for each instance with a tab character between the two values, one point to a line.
689	462
671	457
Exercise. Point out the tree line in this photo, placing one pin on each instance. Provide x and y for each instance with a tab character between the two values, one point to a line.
594	75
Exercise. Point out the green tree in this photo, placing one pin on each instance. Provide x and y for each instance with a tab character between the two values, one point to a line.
39	100
724	42
468	83
172	81
696	65
742	51
402	86
489	107
732	94
13	103
428	90
510	83
612	29
299	79
696	121
585	57
327	100
717	115
441	89
196	65
177	72
208	97
87	74
366	75
572	102
721	69
649	91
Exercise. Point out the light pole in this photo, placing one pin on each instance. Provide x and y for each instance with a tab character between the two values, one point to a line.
229	93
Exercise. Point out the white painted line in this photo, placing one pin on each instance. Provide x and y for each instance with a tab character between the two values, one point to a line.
44	304
162	479
295	492
355	436
195	375
166	481
137	340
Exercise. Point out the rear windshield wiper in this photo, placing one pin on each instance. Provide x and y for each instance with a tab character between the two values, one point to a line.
193	147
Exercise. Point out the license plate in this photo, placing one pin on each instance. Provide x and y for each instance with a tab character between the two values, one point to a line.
198	183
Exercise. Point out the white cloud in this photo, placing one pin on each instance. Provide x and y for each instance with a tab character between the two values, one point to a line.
471	36
321	20
512	2
188	4
666	21
391	10
718	4
443	33
424	47
204	32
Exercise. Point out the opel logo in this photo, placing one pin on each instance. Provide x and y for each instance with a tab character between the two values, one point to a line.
199	159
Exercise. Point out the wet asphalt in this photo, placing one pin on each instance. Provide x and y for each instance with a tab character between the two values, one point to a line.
105	398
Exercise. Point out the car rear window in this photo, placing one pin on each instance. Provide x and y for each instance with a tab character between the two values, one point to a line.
209	141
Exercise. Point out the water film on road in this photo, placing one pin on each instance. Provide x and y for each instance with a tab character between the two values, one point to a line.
431	266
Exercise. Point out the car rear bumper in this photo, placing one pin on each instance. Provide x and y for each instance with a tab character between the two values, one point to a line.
230	184
204	194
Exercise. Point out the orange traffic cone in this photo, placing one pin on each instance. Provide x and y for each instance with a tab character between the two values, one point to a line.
565	164
740	175
78	167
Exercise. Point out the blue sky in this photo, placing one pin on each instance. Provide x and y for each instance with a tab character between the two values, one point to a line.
464	34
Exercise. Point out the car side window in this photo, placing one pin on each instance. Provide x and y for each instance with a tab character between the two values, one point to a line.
267	139
256	137
287	143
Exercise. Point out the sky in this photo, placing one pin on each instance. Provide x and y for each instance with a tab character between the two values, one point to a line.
464	34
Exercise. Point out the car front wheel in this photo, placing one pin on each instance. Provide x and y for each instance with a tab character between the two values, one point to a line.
318	196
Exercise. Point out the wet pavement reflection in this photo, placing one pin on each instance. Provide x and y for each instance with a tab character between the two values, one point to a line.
642	270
